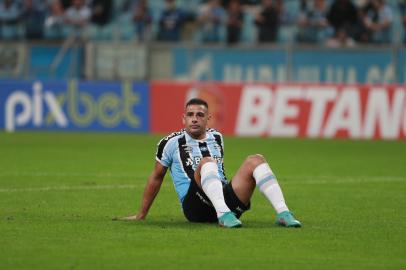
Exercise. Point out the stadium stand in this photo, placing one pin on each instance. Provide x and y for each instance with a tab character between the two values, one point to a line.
17	20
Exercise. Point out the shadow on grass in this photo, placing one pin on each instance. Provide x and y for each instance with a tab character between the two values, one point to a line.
184	224
165	224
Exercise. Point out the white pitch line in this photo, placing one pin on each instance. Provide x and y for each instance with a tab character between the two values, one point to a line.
66	174
300	178
306	180
64	188
332	179
350	181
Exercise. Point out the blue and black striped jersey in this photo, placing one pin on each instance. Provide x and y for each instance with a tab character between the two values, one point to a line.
182	154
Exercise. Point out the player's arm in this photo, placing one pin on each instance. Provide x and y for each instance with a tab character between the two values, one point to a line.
150	191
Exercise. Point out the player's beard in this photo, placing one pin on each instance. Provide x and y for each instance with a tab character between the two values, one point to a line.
196	133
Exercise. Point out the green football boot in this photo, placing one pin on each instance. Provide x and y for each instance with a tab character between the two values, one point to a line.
287	219
229	220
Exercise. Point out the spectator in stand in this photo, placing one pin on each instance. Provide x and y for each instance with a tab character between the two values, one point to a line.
402	8
286	16
39	4
171	22
54	21
267	21
101	11
340	40
10	13
225	3
235	22
142	18
313	23
78	15
343	16
33	18
211	19
378	21
362	33
66	4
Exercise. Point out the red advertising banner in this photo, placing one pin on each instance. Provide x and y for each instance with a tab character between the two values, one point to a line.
168	100
291	110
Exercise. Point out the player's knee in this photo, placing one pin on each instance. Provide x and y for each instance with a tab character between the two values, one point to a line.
255	160
198	171
206	159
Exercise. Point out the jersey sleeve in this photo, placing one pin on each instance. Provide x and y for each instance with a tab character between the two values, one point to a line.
164	152
219	139
222	142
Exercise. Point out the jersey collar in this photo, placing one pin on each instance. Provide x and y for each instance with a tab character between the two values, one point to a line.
189	138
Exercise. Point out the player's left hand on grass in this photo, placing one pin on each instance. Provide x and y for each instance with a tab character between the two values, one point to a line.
129	218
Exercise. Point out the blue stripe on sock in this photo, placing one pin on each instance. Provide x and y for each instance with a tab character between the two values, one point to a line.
209	177
266	179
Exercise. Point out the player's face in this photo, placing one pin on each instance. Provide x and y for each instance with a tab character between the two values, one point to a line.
216	109
195	120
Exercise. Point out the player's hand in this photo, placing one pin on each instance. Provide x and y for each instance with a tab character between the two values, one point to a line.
130	218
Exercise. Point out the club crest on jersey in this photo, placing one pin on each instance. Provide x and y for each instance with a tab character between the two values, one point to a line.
188	149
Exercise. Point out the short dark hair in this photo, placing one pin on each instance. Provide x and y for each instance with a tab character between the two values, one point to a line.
197	101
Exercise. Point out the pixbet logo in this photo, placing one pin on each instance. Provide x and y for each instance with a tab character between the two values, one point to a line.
32	108
93	108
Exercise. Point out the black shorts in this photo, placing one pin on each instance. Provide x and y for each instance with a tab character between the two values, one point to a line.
198	208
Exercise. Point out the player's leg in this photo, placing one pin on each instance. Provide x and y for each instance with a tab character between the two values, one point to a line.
255	171
196	205
207	177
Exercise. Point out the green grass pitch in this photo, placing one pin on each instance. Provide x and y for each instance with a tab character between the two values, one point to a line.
59	192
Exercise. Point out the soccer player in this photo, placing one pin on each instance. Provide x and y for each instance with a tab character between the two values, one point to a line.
194	156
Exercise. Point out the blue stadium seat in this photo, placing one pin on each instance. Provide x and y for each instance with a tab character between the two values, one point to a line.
55	32
12	32
98	33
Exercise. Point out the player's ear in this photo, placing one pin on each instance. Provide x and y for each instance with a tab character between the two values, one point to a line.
183	119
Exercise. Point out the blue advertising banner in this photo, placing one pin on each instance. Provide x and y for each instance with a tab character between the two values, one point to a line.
41	59
72	105
401	66
236	65
343	66
377	65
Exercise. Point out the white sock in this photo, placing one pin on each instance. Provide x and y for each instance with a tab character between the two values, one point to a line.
268	185
212	186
